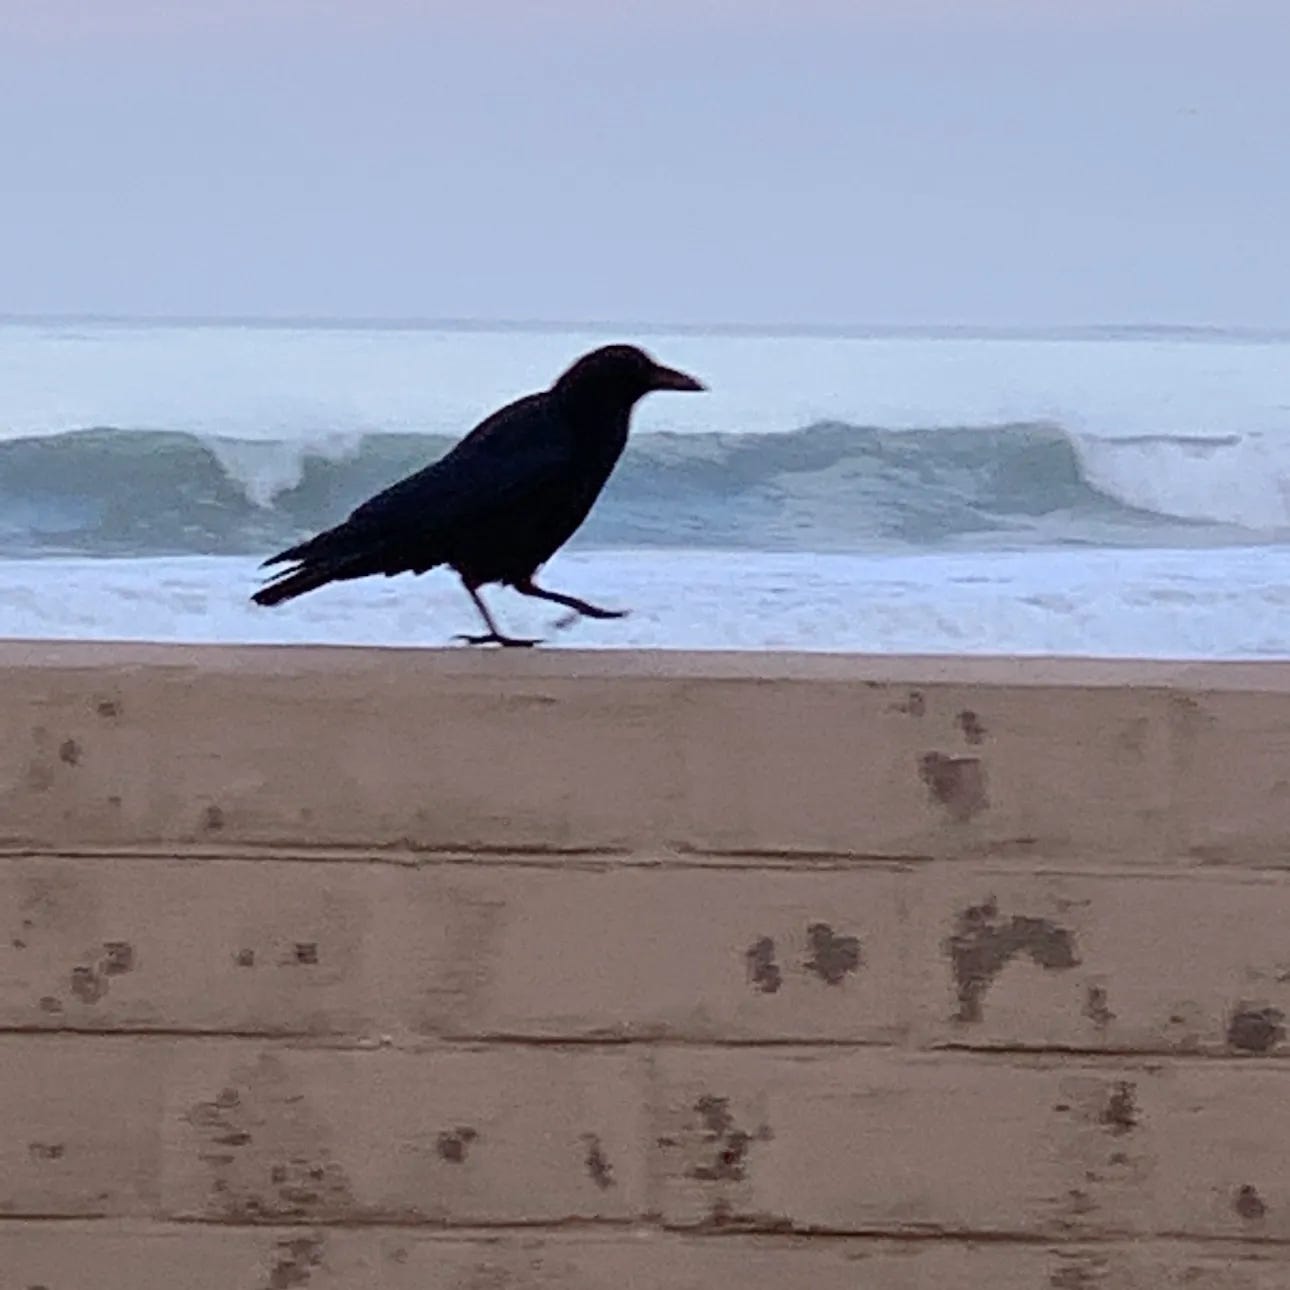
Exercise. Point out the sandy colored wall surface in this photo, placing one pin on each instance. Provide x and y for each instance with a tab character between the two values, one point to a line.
460	971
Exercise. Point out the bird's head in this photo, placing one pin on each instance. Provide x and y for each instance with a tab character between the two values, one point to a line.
620	375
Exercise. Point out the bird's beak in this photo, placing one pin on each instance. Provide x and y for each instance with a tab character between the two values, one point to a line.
668	378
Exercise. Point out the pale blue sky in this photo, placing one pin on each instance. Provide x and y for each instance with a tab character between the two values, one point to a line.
809	162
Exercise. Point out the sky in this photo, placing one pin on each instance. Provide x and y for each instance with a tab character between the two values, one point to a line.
799	162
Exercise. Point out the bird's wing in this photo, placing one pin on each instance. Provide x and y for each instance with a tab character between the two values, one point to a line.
517	452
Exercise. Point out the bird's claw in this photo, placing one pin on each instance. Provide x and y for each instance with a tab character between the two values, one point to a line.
493	638
592	611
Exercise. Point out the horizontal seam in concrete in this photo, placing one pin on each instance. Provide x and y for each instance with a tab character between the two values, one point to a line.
1096	1238
609	1229
1149	1060
338	1041
1100	1239
375	854
600	859
289	849
433	1226
1013	1049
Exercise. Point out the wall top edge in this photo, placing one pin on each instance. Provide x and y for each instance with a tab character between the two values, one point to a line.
648	665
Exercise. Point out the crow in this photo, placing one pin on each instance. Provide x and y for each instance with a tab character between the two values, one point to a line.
500	503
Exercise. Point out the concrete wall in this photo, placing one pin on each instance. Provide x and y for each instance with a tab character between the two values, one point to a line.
451	971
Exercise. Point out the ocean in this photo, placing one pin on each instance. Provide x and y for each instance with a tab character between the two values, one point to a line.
1112	491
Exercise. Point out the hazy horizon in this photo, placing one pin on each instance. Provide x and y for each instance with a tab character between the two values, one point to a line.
816	165
859	329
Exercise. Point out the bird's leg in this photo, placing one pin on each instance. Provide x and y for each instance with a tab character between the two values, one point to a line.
530	588
493	636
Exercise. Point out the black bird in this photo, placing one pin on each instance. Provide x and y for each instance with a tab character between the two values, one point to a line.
499	504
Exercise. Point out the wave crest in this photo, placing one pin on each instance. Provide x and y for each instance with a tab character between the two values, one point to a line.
828	486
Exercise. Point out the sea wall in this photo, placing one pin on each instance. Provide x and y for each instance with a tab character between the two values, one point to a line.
374	970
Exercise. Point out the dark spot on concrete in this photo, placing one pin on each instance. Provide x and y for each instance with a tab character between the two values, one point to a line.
1120	1114
46	1150
728	1166
1249	1204
719	1215
18	943
50	1004
1082	1272
288	1172
984	943
295	1261
114	801
1061	1106
69	752
970	724
956	783
729	1143
715	1114
244	958
303	1190
763	971
1256	1030
833	957
107	708
306	952
914	704
118	957
87	985
1096	1008
598	1166
722	1217
212	819
452	1144
1081	1201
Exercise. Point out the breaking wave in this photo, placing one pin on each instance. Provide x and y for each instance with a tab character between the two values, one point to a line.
827	487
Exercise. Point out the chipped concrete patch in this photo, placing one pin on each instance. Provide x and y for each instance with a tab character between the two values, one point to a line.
984	942
763	972
833	957
957	784
1256	1030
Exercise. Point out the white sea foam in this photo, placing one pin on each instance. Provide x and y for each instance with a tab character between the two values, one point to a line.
1228	604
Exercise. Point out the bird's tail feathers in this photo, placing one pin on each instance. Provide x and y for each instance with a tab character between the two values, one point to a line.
329	557
292	583
311	549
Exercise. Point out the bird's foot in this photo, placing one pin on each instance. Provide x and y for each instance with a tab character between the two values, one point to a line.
591	611
495	638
